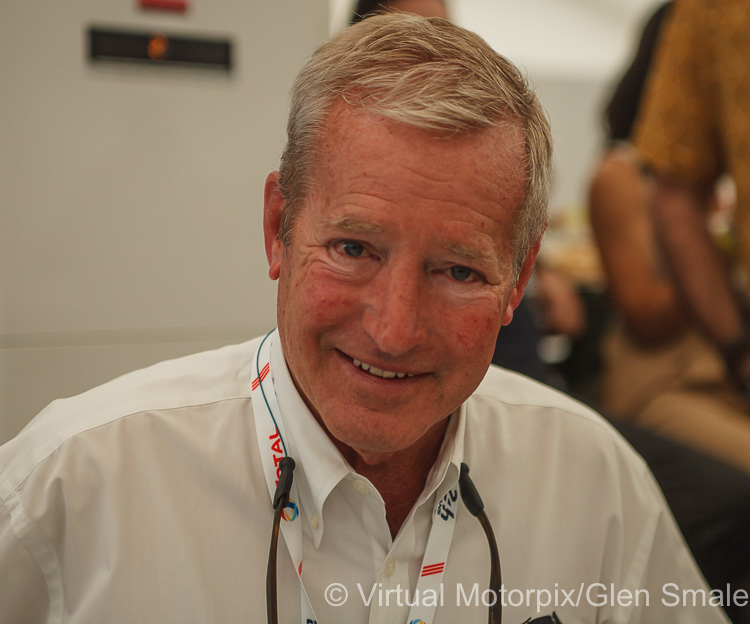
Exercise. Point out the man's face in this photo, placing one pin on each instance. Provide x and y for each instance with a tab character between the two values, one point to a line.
398	275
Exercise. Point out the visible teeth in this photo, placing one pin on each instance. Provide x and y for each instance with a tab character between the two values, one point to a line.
374	370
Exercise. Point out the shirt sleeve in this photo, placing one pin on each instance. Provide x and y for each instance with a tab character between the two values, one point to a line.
24	598
676	132
664	567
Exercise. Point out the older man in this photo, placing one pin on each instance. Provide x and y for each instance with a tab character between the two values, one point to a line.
402	227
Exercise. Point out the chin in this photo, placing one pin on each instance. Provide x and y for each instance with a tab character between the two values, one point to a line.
374	433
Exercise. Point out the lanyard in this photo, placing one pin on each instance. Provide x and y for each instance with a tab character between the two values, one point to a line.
272	441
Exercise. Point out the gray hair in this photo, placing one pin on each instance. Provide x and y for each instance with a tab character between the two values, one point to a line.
426	73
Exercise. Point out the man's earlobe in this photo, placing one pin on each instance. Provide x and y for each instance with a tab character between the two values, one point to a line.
273	206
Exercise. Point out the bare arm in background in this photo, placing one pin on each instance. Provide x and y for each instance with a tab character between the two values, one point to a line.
619	204
699	269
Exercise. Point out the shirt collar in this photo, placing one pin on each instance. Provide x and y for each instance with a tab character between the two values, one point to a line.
320	465
447	467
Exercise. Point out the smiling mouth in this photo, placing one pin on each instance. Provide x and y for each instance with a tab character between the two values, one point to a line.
374	370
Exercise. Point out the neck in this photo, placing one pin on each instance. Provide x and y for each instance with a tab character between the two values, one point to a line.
399	476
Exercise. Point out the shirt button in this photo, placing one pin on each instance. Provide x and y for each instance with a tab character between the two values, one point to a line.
361	487
390	566
314	522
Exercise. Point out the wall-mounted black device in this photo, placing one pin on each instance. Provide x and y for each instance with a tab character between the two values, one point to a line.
159	48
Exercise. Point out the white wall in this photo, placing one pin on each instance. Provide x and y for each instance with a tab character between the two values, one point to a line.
130	197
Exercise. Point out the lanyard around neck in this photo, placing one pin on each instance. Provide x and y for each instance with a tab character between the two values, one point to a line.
274	443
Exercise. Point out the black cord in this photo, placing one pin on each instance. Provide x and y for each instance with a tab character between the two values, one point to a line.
280	501
474	504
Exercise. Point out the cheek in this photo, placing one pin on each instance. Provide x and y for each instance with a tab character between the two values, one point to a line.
322	302
476	331
324	308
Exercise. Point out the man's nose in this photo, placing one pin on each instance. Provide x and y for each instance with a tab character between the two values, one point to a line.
395	311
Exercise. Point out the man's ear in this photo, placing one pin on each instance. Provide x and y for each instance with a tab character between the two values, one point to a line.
273	205
516	294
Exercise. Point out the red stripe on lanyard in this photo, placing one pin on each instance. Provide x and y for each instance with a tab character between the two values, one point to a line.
262	376
435	568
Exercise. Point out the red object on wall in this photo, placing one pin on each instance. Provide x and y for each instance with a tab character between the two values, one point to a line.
174	6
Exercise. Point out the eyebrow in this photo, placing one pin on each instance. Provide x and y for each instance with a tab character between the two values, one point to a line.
473	255
350	224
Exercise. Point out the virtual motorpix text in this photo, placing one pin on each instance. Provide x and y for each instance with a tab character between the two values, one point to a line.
594	594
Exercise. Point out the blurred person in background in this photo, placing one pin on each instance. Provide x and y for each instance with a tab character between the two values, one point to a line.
693	128
656	364
425	8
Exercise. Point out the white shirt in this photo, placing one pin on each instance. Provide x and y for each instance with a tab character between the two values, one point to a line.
143	500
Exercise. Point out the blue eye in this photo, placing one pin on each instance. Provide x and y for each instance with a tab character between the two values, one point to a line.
461	273
352	249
